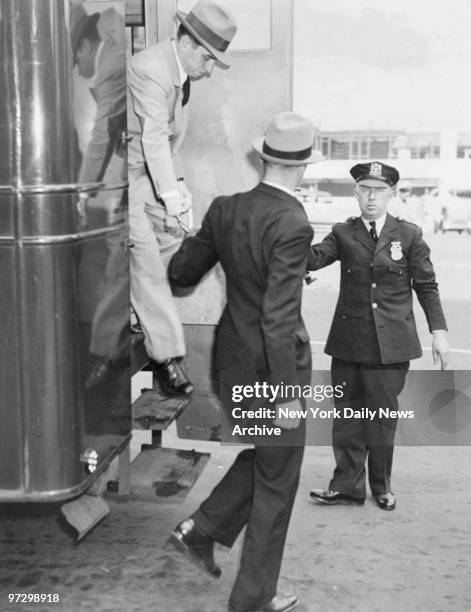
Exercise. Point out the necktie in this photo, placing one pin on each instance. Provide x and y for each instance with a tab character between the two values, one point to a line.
186	91
373	233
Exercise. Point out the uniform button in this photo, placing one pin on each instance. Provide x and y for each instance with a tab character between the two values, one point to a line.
374	305
348	271
344	317
371	264
373	285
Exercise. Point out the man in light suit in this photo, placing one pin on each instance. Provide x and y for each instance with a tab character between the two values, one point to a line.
262	240
373	334
159	84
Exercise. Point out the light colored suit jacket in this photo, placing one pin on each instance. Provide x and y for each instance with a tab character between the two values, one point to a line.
157	121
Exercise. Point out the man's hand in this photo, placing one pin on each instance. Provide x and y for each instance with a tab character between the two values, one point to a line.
440	349
173	201
185	195
288	422
171	223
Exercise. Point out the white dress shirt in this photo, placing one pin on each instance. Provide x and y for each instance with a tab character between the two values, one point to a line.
380	221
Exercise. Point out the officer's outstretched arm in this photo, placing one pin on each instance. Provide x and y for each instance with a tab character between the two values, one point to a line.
323	253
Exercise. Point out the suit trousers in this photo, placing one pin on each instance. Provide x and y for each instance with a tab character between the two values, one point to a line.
258	492
358	439
151	296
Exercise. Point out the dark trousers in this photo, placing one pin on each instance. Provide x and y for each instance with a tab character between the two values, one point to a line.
258	492
357	440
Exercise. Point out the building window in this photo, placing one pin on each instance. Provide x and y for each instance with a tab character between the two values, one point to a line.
355	149
424	146
379	148
325	142
464	145
339	148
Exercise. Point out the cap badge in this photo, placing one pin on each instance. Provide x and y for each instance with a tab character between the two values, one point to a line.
376	169
396	251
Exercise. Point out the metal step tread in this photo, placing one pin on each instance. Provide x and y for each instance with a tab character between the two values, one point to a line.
155	410
166	474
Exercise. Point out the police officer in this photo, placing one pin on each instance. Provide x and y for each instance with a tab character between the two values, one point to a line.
373	335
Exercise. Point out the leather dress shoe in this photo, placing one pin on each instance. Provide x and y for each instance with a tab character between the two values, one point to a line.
172	377
199	546
386	501
332	498
280	603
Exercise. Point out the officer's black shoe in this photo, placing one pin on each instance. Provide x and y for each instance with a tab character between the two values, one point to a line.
188	538
172	377
332	498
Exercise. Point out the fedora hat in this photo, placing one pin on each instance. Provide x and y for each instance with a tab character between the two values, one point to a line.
288	141
80	20
213	27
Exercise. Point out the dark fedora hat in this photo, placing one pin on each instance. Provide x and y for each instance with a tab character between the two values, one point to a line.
213	27
288	141
80	21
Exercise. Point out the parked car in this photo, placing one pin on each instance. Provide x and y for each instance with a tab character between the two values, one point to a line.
451	210
308	196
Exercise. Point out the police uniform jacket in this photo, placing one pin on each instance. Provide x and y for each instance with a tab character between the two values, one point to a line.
374	320
262	239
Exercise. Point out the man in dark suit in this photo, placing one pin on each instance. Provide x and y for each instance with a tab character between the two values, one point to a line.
373	334
262	240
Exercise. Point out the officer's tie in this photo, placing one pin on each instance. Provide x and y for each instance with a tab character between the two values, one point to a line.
186	91
373	233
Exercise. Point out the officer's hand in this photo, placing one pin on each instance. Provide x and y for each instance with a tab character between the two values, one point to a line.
440	349
288	422
185	195
173	202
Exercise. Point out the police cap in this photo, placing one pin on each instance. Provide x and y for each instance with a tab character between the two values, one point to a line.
377	171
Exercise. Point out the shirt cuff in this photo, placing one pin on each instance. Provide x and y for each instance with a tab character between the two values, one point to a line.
169	194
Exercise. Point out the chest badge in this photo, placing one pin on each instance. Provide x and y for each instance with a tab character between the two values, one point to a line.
396	251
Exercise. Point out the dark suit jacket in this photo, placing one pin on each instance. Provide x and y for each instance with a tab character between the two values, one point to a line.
262	240
374	320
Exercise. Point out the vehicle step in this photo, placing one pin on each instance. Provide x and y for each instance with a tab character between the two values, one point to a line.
155	410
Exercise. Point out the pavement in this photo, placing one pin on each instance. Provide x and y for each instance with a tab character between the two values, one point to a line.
337	559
